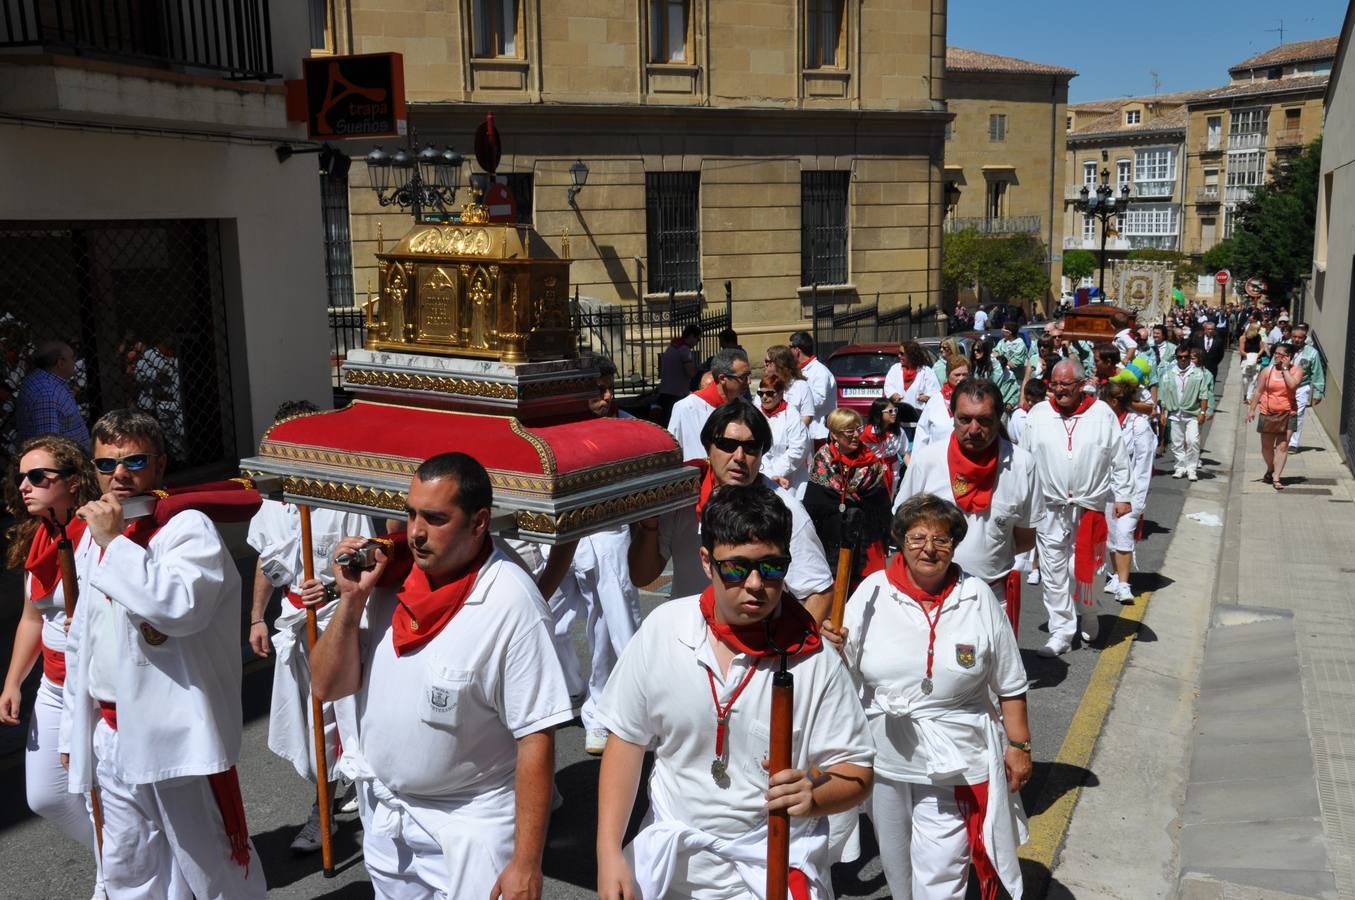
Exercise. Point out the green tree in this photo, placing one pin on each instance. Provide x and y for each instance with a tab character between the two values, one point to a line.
1079	264
1010	268
1273	236
1218	257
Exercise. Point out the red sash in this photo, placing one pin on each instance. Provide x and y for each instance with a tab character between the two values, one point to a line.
973	802
44	562
972	481
1089	552
423	612
793	628
54	664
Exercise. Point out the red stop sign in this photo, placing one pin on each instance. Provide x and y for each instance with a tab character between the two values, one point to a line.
1223	276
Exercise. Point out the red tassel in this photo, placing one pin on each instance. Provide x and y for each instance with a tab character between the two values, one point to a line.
226	790
973	802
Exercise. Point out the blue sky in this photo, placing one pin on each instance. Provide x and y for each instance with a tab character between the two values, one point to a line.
1116	48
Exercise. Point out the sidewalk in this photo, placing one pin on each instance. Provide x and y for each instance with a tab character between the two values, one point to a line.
1226	768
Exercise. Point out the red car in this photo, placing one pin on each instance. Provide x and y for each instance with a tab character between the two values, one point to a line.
860	372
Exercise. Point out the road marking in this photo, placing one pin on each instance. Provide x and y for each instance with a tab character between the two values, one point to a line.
1047	829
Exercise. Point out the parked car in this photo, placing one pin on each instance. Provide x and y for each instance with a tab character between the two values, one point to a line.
860	372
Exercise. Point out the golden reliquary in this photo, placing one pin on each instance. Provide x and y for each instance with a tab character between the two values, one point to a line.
473	288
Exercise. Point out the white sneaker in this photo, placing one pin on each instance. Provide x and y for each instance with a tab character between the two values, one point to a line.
1033	577
1191	476
1112	584
1056	646
1124	593
595	741
1179	473
307	840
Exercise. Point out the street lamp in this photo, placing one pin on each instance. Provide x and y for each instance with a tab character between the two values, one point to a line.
578	176
1103	206
952	196
428	178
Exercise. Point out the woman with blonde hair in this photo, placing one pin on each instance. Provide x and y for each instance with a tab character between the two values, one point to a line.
847	475
950	349
47	481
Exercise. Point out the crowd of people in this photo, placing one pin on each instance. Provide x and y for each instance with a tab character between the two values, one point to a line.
445	663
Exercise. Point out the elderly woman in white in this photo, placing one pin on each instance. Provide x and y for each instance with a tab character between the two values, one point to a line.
931	648
786	462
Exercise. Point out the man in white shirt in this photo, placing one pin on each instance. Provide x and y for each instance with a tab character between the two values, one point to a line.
736	436
705	834
991	481
153	686
1081	464
730	372
822	384
458	693
980	319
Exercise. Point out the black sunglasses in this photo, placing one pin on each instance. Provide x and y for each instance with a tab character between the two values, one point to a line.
729	445
134	462
736	569
761	393
40	475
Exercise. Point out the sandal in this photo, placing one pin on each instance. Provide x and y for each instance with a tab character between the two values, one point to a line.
1279	485
1268	478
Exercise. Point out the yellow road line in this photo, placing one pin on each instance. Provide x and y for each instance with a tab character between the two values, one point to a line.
1047	829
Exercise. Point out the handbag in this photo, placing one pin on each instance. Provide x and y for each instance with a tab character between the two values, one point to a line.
1273	423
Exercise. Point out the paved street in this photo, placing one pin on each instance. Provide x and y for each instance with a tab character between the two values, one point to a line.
1134	774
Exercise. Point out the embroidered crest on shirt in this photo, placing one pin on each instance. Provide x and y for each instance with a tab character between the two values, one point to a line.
440	698
964	655
959	487
151	636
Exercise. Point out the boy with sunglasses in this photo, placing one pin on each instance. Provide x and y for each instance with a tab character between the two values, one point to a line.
695	685
153	684
736	436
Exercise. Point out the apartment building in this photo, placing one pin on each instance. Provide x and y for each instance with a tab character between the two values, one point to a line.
146	218
787	147
1004	151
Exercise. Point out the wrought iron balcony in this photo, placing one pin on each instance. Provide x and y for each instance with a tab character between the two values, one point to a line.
1290	137
1207	196
230	38
1009	225
1247	140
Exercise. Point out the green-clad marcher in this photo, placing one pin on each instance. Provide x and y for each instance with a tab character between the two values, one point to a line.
1184	399
987	364
1197	360
1313	387
949	347
1014	351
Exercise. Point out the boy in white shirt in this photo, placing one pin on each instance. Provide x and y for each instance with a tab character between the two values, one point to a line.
695	685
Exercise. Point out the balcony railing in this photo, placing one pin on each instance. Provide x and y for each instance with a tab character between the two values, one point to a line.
1290	137
1152	241
1238	194
1207	195
1010	225
1247	140
1094	243
1212	143
1145	189
232	38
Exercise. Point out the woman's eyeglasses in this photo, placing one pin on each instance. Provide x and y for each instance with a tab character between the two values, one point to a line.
134	463
736	569
918	541
40	476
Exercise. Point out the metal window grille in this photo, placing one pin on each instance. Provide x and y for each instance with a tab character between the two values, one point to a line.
673	230
143	304
338	239
823	227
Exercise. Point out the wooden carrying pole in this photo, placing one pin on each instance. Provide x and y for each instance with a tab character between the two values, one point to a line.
317	710
778	758
842	583
70	590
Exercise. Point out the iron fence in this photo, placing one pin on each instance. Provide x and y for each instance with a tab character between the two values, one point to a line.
633	337
143	305
346	333
836	326
231	37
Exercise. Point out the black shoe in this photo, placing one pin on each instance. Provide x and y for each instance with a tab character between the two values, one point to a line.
1268	478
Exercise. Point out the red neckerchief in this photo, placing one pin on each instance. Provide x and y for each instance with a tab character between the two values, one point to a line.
899	577
870	436
712	394
908	376
862	459
707	484
947	391
1122	416
972	481
1025	407
1083	405
43	562
794	629
780	408
422	612
808	360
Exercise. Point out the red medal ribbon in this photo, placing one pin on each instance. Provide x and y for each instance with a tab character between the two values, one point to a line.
972	481
1083	406
902	580
422	612
722	712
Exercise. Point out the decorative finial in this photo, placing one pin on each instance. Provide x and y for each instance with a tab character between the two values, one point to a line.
380	241
564	244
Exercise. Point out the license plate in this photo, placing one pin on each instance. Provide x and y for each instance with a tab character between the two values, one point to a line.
861	392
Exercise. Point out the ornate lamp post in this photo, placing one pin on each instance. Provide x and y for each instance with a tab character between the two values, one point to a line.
1105	204
415	181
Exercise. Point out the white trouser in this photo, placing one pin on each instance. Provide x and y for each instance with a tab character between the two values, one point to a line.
1054	539
167	839
610	621
1185	440
924	848
1251	368
45	777
1303	397
291	732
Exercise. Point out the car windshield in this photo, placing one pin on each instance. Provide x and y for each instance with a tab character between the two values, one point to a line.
861	365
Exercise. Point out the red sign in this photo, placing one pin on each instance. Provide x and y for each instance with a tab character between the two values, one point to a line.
1223	276
1256	286
359	96
500	203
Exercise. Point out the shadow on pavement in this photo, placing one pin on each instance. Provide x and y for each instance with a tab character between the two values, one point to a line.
1051	780
1114	630
1151	528
354	891
282	867
571	844
1039	883
847	877
1042	672
1149	581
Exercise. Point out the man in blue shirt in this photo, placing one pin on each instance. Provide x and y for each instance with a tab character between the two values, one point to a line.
44	402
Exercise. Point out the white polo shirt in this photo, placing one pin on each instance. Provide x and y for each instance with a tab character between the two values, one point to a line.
659	697
975	652
823	388
688	418
680	541
800	399
445	719
924	385
988	550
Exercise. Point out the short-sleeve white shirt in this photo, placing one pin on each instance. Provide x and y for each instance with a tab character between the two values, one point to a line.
988	550
924	385
275	534
975	652
935	424
688	418
659	696
800	399
823	387
445	719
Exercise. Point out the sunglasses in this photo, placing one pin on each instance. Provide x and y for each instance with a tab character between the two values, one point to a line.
736	569
729	445
767	393
109	464
38	477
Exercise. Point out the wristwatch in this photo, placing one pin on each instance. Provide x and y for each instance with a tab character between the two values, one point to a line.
1020	745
